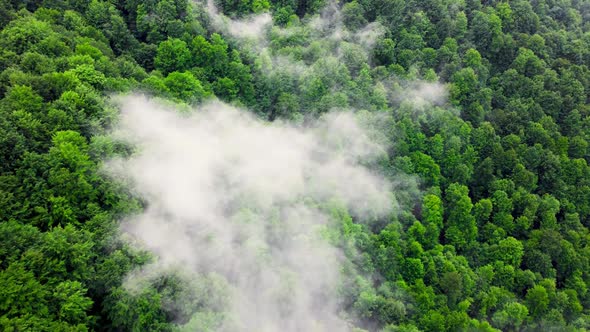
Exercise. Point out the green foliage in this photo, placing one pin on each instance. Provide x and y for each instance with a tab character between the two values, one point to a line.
173	55
511	317
184	86
498	239
353	15
461	229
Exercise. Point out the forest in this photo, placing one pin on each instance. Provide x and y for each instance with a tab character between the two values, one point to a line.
484	105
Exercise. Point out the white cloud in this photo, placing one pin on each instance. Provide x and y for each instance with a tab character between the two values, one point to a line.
230	195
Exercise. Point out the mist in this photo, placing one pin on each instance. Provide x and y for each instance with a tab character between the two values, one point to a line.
244	209
248	202
250	28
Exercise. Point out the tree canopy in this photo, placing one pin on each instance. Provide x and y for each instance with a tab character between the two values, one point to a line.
497	239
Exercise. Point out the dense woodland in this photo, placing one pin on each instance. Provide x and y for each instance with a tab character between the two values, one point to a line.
498	238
